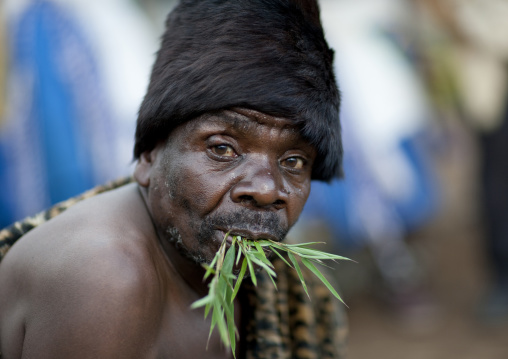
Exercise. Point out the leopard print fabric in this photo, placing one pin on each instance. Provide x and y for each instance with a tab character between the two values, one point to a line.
282	324
11	234
285	323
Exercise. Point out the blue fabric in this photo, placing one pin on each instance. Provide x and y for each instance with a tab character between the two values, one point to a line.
339	206
69	170
60	118
6	201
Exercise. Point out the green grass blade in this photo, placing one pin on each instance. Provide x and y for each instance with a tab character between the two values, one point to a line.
299	271
221	286
207	309
251	270
280	256
202	302
273	280
240	244
240	278
262	254
306	252
254	257
210	268
221	325
264	242
306	244
228	312
321	277
214	321
229	260
231	332
230	319
278	246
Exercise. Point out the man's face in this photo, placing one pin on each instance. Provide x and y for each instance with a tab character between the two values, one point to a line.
236	171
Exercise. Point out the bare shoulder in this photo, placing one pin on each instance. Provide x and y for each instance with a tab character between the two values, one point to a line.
86	279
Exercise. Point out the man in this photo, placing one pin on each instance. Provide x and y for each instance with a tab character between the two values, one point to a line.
240	114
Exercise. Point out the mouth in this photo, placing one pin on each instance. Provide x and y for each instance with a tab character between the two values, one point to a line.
245	234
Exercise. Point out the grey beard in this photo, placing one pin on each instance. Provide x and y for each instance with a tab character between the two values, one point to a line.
175	238
240	219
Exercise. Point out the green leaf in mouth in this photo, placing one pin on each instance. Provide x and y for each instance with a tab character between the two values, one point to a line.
223	289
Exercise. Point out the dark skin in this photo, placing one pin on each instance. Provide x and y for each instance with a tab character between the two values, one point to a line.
105	278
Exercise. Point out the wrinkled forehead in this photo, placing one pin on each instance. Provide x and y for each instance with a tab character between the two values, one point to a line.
242	117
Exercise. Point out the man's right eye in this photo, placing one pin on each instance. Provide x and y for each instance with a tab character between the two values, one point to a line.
223	150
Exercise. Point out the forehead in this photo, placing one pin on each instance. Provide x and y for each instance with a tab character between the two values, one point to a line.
255	118
248	122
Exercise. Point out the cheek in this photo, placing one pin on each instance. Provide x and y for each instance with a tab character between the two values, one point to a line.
193	187
207	190
298	198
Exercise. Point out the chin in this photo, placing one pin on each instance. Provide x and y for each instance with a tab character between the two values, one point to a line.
198	257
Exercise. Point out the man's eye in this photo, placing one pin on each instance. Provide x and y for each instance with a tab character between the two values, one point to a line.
295	163
224	150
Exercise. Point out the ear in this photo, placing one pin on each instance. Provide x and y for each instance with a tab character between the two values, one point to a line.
144	167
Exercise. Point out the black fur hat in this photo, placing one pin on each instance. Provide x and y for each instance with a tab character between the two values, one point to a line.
266	55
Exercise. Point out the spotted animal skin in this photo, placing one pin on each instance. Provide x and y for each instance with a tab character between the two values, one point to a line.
282	323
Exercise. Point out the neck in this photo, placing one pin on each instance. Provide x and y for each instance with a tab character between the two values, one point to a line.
187	271
190	272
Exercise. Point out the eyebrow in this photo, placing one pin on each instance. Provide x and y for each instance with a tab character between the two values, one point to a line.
243	122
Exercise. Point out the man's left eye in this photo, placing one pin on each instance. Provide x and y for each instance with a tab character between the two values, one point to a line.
224	150
295	163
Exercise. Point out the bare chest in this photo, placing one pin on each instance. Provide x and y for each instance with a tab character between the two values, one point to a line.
184	333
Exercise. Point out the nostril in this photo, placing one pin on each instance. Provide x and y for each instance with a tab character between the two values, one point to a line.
251	199
246	198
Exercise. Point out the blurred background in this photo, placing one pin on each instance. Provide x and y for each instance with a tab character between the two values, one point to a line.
423	208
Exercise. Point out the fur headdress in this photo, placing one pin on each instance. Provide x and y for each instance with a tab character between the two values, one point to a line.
266	55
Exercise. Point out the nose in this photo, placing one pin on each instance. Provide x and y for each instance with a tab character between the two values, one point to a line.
262	186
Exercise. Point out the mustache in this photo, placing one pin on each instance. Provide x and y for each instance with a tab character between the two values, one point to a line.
246	220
